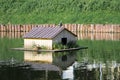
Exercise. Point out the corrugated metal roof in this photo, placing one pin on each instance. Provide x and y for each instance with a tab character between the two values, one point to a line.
44	32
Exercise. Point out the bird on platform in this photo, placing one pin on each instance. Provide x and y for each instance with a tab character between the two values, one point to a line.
60	24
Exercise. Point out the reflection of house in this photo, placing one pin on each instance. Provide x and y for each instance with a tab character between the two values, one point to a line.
42	57
65	60
62	60
46	36
56	62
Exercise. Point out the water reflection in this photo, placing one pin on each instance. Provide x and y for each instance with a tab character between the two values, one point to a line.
99	36
62	60
70	68
38	57
11	71
58	66
87	35
12	34
98	71
25	71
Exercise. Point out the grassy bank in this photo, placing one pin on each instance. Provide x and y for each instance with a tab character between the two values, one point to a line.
97	17
54	11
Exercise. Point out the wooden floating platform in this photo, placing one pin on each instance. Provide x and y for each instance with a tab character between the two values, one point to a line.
55	50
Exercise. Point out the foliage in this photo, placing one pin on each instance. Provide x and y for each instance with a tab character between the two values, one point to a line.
58	46
68	45
53	11
37	47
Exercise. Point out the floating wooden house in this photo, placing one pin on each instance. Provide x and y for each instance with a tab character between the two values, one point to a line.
47	36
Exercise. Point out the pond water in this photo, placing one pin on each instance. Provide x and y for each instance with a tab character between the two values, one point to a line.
74	65
57	66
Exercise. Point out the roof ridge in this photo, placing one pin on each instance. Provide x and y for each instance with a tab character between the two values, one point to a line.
44	32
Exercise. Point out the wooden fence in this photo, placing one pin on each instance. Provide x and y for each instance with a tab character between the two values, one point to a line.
91	31
72	27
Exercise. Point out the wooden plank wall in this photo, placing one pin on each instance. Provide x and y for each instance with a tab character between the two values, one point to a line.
72	27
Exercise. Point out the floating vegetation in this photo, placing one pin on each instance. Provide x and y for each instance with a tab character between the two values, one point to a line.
67	46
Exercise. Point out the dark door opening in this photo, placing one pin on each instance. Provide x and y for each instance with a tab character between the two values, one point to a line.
64	41
64	58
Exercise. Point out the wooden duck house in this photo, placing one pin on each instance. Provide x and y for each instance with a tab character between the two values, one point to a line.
47	36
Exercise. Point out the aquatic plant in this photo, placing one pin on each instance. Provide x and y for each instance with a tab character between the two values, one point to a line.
70	44
6	44
100	50
37	47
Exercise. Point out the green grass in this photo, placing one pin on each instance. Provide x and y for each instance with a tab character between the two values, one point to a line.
100	50
6	53
54	11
